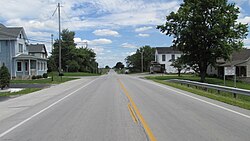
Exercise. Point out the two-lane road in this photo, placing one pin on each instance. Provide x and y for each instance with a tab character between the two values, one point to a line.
124	108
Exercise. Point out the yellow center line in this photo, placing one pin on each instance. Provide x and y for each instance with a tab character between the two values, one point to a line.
139	115
131	111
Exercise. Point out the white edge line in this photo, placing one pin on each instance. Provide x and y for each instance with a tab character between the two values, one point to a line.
201	100
43	110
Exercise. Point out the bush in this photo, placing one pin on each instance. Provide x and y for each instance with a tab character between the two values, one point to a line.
33	77
45	75
39	77
73	66
61	74
4	77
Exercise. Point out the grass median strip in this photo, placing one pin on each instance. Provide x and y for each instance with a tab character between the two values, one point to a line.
240	101
138	114
22	92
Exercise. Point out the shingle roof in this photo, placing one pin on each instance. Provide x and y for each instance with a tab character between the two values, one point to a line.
167	50
37	48
241	55
7	33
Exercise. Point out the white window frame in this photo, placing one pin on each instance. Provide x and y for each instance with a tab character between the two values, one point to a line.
163	59
17	66
22	49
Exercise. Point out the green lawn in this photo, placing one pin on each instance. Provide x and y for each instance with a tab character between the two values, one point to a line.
209	80
241	100
56	80
22	92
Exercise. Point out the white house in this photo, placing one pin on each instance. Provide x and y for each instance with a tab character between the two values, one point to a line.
165	56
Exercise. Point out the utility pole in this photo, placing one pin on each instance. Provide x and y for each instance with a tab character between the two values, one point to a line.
52	42
60	43
141	61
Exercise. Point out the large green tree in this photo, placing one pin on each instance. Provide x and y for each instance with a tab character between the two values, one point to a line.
134	61
205	31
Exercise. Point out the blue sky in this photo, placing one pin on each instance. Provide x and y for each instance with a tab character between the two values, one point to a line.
114	29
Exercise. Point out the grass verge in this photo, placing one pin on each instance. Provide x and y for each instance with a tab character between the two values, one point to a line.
22	92
210	80
240	101
56	80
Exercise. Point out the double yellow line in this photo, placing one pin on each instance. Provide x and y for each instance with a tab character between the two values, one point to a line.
134	111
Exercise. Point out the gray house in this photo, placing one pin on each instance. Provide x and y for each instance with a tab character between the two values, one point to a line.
22	60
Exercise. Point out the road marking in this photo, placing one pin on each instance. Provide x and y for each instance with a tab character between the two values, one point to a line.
132	113
139	115
201	100
43	110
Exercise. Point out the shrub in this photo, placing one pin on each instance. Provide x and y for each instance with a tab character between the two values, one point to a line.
45	75
61	74
4	77
33	77
39	76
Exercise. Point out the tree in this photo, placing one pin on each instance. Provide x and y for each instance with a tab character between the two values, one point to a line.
179	65
205	31
119	65
134	61
107	67
73	58
4	77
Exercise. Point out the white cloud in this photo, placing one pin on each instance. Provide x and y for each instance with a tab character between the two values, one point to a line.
127	45
142	29
106	32
245	20
94	42
100	42
143	35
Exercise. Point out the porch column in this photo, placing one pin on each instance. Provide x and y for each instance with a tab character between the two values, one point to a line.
29	67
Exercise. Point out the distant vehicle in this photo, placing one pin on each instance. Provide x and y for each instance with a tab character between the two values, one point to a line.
156	67
126	71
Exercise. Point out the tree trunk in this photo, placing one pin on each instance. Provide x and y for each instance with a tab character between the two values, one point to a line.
179	73
203	71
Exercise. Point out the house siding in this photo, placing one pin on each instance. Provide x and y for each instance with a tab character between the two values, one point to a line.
5	54
167	62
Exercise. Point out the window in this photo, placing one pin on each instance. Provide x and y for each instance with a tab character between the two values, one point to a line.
20	36
19	66
163	57
26	66
173	57
20	48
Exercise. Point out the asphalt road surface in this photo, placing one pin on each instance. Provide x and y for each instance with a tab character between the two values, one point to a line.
120	108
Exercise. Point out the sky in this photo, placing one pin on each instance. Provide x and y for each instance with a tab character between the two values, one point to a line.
114	29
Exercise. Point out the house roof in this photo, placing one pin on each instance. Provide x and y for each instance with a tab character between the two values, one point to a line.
238	57
9	33
167	50
26	56
37	48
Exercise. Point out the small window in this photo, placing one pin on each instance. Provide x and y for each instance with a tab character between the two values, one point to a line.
173	57
163	57
20	36
20	48
19	66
